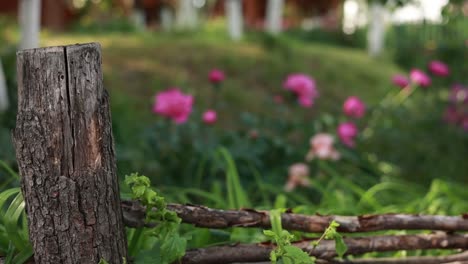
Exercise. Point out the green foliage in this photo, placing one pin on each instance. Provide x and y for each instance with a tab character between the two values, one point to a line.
288	254
167	245
284	251
14	239
332	233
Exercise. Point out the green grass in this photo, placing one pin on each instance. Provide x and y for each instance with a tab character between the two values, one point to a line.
141	64
137	65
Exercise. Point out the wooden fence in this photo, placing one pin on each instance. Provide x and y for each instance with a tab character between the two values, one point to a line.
65	153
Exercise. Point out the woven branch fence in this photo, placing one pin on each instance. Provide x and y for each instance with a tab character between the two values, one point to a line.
65	152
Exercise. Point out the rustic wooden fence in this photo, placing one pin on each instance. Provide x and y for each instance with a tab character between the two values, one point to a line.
65	153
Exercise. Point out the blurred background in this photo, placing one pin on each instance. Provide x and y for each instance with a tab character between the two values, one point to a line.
411	144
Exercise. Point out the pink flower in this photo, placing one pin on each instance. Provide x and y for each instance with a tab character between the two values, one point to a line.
298	176
210	117
400	80
173	104
303	87
439	68
347	133
321	147
354	107
216	76
419	77
458	94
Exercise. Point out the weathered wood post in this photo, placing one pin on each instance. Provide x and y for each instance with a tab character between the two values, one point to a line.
65	153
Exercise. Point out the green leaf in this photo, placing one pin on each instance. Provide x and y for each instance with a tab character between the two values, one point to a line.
150	256
340	245
5	195
269	233
173	248
103	261
275	219
13	214
296	255
24	255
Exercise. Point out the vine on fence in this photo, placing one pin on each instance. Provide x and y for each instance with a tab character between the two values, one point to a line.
284	252
169	245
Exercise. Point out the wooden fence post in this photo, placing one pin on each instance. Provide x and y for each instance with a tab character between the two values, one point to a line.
65	153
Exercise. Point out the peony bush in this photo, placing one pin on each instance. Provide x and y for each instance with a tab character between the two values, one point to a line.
296	151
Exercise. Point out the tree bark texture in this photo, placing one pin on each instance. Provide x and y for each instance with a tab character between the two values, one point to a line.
202	216
326	249
65	153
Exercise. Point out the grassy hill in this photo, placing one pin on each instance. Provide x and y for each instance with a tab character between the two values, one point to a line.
139	65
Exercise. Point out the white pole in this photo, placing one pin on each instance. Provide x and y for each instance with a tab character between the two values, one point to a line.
30	23
167	18
234	17
139	19
274	16
376	31
186	15
3	91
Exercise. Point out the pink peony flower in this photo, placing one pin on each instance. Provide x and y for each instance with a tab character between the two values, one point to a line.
458	94
354	107
216	76
322	148
347	133
439	68
173	104
400	80
419	77
303	87
210	117
298	176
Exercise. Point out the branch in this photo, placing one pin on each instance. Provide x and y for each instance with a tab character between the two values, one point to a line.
202	216
326	249
408	260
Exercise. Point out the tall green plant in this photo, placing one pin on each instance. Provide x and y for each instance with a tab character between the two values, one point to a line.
14	239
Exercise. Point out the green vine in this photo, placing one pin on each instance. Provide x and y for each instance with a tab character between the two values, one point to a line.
286	253
332	233
168	246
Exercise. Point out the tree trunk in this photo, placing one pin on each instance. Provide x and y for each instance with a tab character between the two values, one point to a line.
274	16
30	23
4	102
65	153
376	31
234	18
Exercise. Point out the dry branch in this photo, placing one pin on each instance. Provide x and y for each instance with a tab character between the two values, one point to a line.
449	259
326	249
202	216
